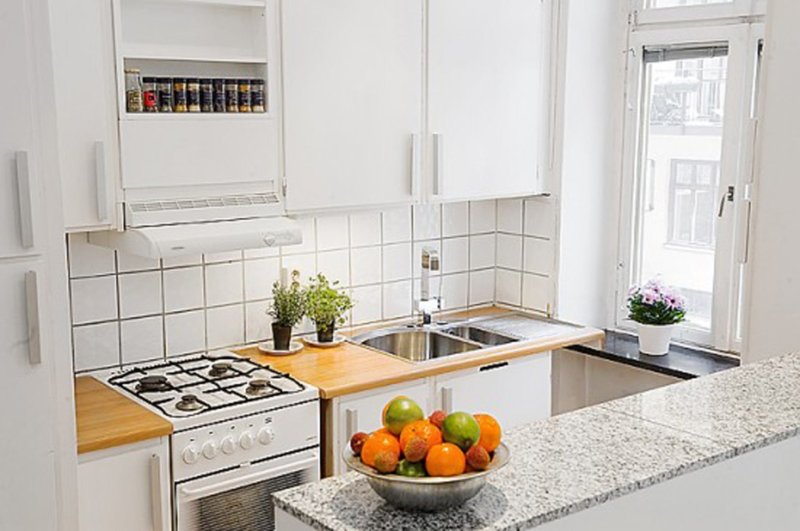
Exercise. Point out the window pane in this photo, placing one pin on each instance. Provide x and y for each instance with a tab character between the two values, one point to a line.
683	137
679	3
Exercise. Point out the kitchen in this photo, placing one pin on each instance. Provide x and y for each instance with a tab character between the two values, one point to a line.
481	184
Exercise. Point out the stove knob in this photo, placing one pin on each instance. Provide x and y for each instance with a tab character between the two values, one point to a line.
228	445
246	440
265	435
190	455
210	450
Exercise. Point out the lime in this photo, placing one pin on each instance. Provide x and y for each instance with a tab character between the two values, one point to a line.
399	412
409	469
461	429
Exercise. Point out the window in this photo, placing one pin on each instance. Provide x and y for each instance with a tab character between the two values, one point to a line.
692	189
681	3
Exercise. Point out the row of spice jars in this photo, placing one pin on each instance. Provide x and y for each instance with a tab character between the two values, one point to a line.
180	94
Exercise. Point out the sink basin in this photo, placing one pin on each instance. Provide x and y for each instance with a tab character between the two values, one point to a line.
416	345
479	335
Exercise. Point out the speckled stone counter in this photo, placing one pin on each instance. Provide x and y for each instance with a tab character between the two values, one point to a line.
576	461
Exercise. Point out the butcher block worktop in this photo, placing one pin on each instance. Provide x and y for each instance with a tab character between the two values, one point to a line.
106	418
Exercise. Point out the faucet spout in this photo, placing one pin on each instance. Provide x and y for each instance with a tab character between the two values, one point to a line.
427	304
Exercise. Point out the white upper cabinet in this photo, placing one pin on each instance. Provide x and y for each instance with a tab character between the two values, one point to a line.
353	78
83	59
485	107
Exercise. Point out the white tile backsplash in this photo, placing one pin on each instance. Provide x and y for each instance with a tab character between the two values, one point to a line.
309	228
142	339
509	216
481	251
481	286
93	299
185	332
306	264
335	265
258	325
455	255
509	251
259	276
225	326
139	294
397	299
129	263
455	219
365	229
367	306
427	222
482	216
182	261
540	219
96	345
509	287
396	262
539	256
183	289
332	233
537	292
455	290
365	265
86	259
397	225
224	283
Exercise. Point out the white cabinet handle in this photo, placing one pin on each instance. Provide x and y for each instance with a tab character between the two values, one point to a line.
155	492
34	329
447	400
101	187
25	191
350	422
438	164
415	165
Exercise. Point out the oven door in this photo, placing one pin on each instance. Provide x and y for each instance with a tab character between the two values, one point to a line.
241	499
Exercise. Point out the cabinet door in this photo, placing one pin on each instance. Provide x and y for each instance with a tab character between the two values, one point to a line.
485	96
83	64
125	488
27	473
362	412
514	392
352	75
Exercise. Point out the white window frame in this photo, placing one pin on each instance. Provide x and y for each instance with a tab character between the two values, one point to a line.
742	33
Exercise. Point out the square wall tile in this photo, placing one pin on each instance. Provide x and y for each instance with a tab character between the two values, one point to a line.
306	264
537	293
539	256
96	346
140	294
433	288
427	222
93	299
416	256
455	219
225	326
509	215
224	283
367	304
397	225
509	251
264	252
129	263
335	265
481	251
482	216
365	265
258	325
540	218
397	300
309	244
509	287
142	339
86	260
259	276
365	229
183	289
219	258
182	261
186	332
455	255
396	262
455	289
481	287
333	232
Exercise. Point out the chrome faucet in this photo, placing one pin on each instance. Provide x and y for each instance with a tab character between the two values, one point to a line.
427	304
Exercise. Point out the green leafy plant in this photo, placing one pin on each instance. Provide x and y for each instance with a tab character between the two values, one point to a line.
289	302
326	304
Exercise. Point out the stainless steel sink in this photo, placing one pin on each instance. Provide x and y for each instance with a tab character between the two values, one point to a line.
479	335
415	344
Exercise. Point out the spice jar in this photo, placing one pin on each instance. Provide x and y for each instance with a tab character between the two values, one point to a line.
193	94
244	95
150	94
231	95
179	94
257	95
206	95
219	95
164	94
133	90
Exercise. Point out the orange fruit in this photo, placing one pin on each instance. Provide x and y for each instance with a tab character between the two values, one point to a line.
421	428
445	459
377	442
490	432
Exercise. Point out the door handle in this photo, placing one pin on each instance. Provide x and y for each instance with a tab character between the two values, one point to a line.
350	422
155	492
438	164
728	197
447	400
101	187
34	328
415	165
25	197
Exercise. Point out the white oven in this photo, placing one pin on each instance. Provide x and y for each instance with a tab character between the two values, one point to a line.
241	499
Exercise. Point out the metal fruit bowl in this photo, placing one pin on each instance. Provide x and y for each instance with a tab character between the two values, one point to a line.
427	493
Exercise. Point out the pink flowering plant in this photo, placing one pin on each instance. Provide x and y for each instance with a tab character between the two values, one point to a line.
656	304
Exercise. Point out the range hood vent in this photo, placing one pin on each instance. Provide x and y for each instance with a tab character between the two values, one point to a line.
194	210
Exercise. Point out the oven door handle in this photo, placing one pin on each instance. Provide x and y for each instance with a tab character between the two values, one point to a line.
188	494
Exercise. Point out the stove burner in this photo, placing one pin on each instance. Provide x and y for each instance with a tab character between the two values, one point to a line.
188	403
220	368
258	387
153	383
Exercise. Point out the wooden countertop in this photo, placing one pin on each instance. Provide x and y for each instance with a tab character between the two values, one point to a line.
350	368
106	418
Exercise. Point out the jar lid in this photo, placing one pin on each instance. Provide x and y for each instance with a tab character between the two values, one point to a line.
149	79
132	70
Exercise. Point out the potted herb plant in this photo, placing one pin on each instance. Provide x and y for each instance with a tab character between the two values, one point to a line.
325	306
656	309
288	307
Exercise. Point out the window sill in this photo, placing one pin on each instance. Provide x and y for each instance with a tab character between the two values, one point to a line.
681	362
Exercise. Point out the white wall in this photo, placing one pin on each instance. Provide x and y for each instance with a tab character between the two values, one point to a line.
773	304
593	83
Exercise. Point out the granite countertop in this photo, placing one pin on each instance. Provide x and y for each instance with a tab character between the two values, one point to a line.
581	459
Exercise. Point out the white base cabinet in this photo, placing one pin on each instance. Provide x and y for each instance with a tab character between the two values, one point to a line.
125	488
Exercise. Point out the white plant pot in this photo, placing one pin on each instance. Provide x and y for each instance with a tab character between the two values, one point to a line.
654	339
